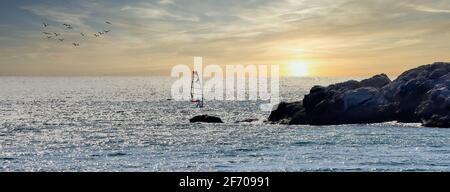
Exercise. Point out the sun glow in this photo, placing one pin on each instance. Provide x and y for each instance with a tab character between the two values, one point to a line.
298	69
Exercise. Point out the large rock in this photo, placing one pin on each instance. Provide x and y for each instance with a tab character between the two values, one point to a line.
376	81
418	95
410	89
434	111
205	119
361	105
347	102
285	111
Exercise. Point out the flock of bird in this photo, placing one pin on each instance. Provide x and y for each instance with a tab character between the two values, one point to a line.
58	36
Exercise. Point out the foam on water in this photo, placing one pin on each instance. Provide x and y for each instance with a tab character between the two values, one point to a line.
127	124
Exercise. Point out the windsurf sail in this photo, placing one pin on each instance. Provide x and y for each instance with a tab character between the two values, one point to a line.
196	89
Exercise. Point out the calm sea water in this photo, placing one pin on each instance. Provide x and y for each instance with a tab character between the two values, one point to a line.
127	124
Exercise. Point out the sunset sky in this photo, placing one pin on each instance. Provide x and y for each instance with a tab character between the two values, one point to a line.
324	37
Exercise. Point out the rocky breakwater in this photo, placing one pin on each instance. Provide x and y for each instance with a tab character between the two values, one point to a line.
421	95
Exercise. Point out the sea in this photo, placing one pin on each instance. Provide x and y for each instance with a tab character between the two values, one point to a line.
131	124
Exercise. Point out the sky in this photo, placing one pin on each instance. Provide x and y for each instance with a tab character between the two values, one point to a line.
325	37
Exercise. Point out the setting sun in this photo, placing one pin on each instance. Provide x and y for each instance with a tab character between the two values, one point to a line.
298	69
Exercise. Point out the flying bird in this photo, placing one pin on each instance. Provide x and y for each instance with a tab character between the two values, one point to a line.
50	35
68	26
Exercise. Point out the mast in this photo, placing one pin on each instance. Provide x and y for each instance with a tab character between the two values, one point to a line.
192	86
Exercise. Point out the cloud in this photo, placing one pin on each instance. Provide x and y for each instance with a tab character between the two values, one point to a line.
152	12
59	14
161	33
166	2
428	9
